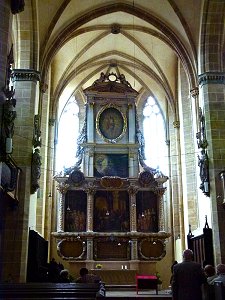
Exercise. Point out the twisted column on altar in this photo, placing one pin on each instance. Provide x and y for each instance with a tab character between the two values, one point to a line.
161	222
62	188
90	190
132	190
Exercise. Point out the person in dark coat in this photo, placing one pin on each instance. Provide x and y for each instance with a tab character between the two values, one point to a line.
188	278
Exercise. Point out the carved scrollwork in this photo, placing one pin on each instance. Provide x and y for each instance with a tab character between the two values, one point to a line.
90	188
151	249
62	187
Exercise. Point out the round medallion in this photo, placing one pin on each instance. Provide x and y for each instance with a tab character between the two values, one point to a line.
112	77
76	177
146	178
111	123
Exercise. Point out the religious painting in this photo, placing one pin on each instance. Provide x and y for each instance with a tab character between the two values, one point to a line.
111	165
75	211
111	248
111	211
147	211
111	123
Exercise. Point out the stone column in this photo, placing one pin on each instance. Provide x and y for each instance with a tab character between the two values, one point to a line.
180	212
212	86
132	190
90	190
62	188
195	95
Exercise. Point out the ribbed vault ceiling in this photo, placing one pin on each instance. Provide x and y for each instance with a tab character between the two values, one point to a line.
143	39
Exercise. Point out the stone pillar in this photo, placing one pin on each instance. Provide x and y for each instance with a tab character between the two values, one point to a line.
212	86
51	193
195	95
180	216
90	207
62	188
132	190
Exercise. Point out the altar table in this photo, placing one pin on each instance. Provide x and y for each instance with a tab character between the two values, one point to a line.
120	277
146	282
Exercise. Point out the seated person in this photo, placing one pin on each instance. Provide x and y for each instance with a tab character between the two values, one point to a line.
64	276
85	277
210	273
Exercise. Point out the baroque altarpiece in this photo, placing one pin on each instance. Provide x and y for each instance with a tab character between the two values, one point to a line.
111	203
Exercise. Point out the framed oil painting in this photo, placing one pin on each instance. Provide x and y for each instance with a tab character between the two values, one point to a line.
111	123
75	211
111	165
147	211
111	211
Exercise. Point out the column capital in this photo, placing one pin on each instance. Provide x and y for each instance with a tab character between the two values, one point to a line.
62	187
90	189
43	87
25	75
133	189
194	92
211	77
51	122
176	124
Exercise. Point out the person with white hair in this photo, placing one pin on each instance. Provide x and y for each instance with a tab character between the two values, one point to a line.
220	271
188	277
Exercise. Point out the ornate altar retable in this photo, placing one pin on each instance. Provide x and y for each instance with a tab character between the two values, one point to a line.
110	206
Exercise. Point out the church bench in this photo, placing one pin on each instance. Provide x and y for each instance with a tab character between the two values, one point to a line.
51	290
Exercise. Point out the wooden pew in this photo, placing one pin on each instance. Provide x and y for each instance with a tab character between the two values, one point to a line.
51	290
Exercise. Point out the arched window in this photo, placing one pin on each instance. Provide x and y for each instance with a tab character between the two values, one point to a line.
68	131
155	136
